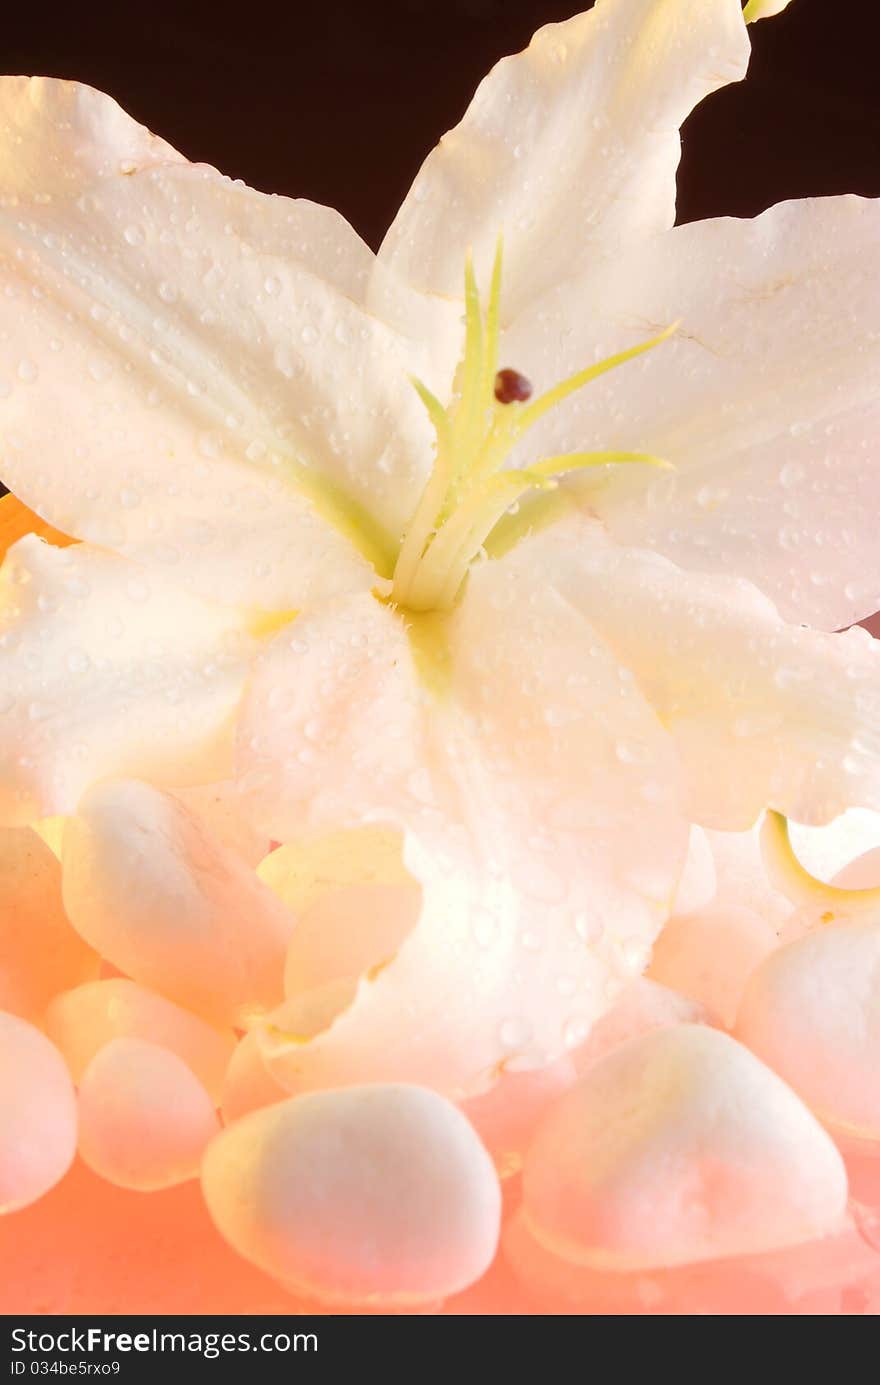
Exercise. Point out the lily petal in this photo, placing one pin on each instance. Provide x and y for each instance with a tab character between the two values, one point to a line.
765	401
764	9
570	147
188	377
107	669
762	713
522	765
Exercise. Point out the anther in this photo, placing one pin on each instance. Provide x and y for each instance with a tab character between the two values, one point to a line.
511	387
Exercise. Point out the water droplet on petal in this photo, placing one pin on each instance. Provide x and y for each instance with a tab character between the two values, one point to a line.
515	1033
78	661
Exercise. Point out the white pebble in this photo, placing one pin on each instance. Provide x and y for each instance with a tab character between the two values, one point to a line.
156	894
377	1194
144	1117
40	954
642	1006
248	1084
37	1114
680	1146
812	1011
83	1020
709	956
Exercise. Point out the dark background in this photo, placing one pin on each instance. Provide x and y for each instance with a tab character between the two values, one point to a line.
340	101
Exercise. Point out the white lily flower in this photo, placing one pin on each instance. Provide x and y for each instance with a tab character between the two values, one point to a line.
245	416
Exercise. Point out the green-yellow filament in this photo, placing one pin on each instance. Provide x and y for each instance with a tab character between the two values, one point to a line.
468	492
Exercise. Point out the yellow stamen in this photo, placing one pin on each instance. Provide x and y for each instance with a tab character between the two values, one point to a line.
433	496
468	493
529	414
578	461
441	573
467	422
493	318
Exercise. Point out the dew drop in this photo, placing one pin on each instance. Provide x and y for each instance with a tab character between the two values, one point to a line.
631	753
137	590
483	928
588	928
78	661
515	1033
792	474
575	1031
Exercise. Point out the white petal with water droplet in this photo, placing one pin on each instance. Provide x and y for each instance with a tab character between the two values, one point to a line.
764	401
503	768
762	712
191	372
108	669
570	148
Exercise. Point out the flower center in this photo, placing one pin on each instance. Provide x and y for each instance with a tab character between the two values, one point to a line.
469	489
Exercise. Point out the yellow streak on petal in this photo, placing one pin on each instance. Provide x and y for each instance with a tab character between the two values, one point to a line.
429	642
262	624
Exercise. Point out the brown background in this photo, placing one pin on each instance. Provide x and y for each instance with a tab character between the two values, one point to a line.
339	101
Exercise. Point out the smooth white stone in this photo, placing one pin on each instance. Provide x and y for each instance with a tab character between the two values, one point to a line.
812	1011
376	1194
680	1146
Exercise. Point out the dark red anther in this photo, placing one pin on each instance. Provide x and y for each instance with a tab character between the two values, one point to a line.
511	387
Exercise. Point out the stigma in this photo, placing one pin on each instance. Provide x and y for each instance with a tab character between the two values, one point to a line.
470	489
511	387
